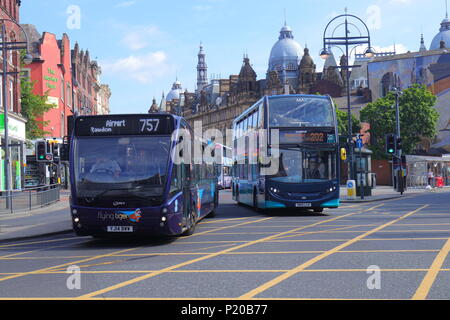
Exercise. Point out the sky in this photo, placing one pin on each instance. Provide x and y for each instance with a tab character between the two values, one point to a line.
143	46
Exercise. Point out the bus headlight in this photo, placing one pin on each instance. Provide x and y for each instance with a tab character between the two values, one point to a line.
275	190
76	220
164	210
74	211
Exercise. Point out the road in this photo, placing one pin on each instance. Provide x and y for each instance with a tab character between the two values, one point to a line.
394	249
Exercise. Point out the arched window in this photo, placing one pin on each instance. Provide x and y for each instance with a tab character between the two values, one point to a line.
388	82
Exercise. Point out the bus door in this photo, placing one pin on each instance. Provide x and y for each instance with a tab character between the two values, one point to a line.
186	188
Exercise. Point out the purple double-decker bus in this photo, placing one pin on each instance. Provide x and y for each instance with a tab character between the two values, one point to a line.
124	179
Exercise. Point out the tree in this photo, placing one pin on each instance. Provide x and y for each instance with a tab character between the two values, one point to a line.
342	118
418	119
33	107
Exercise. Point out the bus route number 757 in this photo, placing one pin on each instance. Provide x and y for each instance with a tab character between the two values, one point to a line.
149	125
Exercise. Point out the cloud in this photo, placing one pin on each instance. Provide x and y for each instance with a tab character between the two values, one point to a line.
373	17
125	4
139	37
142	68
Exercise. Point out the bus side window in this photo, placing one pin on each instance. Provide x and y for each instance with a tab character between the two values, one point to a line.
177	180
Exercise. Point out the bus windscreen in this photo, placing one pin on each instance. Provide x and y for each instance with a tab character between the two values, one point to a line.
111	168
300	112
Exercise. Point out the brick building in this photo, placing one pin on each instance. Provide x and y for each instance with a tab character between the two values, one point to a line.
85	74
9	10
51	72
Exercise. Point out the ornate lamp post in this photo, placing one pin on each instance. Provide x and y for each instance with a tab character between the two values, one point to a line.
347	24
10	45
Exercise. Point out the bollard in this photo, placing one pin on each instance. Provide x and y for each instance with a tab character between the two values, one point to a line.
351	189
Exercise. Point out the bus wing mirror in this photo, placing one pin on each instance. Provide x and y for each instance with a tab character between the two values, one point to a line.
343	154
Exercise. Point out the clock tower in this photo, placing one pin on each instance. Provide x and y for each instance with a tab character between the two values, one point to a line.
202	69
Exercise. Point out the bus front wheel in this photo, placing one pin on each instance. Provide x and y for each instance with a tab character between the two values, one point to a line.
191	226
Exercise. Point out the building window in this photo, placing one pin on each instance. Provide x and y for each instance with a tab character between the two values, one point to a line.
63	127
62	89
69	95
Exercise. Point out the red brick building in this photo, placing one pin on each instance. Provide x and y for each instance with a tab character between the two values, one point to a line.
51	71
68	77
85	79
9	10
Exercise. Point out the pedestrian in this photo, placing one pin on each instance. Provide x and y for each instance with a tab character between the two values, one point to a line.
430	177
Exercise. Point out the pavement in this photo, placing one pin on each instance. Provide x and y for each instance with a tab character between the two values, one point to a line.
55	219
52	219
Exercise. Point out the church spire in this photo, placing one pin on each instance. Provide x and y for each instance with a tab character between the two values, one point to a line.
202	70
422	44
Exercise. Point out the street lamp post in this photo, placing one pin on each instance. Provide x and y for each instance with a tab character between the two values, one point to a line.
350	21
5	47
398	151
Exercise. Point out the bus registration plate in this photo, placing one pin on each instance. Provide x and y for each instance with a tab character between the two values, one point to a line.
303	205
120	229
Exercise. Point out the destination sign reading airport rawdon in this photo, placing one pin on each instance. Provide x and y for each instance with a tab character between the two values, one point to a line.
123	125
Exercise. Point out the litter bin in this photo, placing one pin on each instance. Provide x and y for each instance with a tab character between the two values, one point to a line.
439	182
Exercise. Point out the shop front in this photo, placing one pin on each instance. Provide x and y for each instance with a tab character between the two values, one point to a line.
423	171
16	133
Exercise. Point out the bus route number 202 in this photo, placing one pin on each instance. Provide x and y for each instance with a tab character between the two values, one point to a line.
149	125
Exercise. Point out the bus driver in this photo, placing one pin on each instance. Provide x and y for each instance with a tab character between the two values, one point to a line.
108	165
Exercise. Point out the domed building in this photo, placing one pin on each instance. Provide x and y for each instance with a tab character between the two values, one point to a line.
443	35
285	57
175	93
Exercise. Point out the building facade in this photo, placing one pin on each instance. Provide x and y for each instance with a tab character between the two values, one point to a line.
103	96
86	86
217	102
9	10
51	73
429	67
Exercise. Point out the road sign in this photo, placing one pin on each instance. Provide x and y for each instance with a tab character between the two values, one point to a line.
359	143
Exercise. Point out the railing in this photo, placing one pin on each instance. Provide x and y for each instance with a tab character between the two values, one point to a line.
29	199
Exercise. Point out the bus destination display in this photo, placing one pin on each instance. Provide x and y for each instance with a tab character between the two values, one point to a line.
287	137
123	125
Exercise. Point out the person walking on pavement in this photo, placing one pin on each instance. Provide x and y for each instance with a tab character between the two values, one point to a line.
430	177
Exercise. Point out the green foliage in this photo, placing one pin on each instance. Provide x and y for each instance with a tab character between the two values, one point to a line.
418	119
342	118
33	107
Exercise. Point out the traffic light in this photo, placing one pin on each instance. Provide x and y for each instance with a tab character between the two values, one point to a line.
55	151
390	144
399	144
41	151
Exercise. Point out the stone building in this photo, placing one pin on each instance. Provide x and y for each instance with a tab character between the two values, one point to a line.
429	67
217	102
